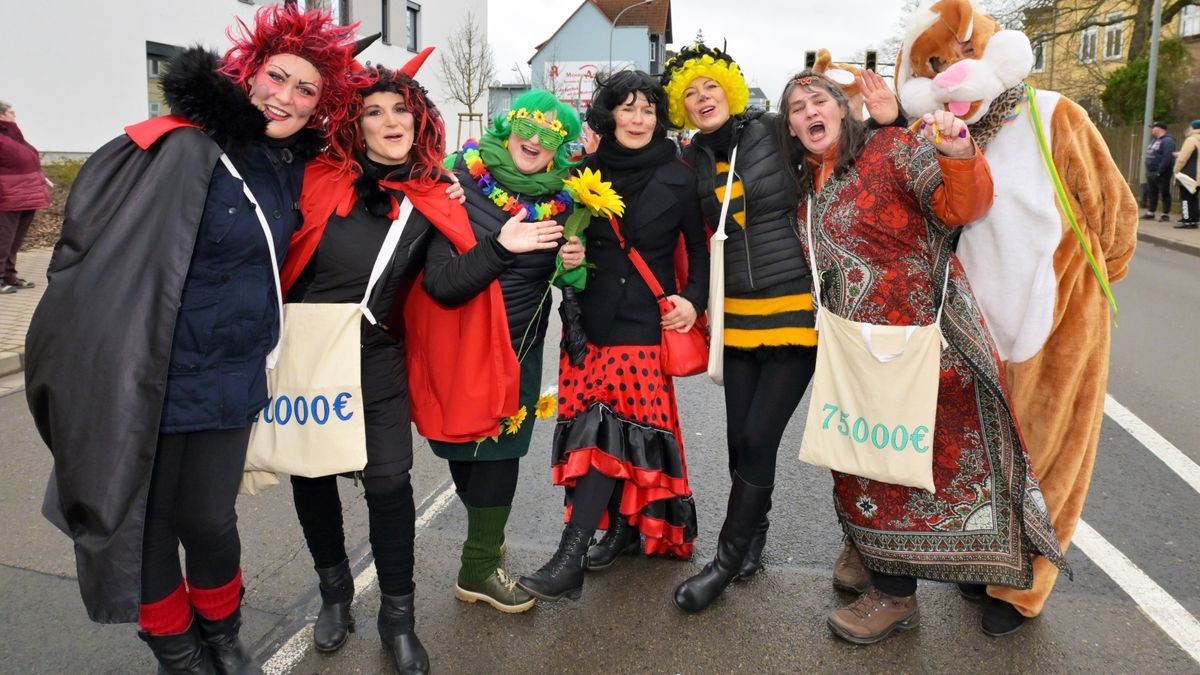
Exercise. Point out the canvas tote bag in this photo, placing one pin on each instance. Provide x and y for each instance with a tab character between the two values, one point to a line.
874	396
716	285
313	424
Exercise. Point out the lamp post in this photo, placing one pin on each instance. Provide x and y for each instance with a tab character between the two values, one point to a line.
614	28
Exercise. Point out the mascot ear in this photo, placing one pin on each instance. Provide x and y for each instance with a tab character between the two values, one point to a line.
843	78
824	58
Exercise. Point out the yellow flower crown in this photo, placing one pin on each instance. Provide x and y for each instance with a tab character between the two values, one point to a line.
540	118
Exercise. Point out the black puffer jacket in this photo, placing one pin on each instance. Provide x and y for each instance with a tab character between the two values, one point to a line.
767	251
453	279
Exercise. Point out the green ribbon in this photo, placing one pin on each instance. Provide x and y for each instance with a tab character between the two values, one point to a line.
1035	119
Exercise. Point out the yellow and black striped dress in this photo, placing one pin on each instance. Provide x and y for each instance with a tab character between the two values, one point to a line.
778	316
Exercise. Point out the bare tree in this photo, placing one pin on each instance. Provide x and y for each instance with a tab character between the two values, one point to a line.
466	64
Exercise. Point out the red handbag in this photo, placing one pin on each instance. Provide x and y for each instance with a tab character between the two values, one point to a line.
682	354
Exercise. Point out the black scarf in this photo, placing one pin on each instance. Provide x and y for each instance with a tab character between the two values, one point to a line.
720	142
630	170
376	201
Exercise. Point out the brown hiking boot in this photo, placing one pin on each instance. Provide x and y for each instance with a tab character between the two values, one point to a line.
873	616
848	572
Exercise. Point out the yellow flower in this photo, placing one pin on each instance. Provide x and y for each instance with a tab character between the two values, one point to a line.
539	117
547	404
513	424
596	195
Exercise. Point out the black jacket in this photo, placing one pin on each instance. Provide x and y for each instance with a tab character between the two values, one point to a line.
618	307
452	279
100	340
767	251
338	272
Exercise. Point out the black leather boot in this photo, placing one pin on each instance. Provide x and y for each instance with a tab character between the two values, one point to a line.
180	654
747	504
229	654
334	623
619	539
563	573
753	561
397	632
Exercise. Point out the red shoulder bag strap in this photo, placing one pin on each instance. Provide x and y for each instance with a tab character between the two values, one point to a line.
643	269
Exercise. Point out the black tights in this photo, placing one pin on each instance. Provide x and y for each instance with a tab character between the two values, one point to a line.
898	586
193	492
390	514
761	394
593	493
486	484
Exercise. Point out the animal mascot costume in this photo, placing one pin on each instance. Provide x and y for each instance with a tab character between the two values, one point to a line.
1039	266
846	76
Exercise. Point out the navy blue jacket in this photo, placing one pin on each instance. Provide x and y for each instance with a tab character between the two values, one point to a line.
228	314
1160	154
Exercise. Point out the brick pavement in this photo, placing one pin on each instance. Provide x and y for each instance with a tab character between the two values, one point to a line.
17	308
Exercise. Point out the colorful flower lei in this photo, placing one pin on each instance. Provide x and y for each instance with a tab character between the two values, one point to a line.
511	205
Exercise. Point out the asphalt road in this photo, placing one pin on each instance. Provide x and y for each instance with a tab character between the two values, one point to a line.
625	621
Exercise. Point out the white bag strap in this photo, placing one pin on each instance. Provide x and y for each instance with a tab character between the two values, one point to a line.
385	255
719	234
273	356
812	264
945	286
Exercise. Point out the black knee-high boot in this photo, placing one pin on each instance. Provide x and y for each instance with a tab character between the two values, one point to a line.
753	560
747	503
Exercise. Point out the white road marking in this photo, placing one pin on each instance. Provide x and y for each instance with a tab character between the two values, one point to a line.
1172	456
296	647
1154	602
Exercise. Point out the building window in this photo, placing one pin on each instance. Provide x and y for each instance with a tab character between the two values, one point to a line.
1189	21
153	67
653	54
410	26
1113	36
1087	44
155	108
1039	54
386	36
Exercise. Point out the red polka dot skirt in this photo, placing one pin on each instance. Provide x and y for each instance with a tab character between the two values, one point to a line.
617	415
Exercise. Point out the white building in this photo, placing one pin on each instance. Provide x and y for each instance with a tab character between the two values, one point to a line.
78	71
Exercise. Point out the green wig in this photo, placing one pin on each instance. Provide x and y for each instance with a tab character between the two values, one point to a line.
701	61
539	100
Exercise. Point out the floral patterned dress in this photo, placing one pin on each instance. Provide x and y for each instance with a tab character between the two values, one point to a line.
879	249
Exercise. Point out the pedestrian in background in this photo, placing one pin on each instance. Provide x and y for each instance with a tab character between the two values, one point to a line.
1185	163
1160	155
146	358
23	190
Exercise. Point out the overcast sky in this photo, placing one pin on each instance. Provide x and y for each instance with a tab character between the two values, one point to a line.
767	38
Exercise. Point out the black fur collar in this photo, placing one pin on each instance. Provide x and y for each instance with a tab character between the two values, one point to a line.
196	91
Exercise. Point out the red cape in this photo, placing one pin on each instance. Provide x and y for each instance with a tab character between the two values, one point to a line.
145	134
463	377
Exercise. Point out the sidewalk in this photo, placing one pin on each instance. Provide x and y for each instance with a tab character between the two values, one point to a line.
17	308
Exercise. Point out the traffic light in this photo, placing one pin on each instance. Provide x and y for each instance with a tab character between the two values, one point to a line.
870	60
810	59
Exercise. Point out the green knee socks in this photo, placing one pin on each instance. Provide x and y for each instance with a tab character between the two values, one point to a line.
481	550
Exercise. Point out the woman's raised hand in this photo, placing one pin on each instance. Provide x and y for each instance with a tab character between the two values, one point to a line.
571	253
682	317
455	190
948	134
877	95
519	236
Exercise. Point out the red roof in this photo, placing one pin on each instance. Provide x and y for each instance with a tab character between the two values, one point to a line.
656	16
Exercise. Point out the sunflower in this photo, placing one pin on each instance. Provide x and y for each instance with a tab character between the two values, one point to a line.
513	424
547	404
596	195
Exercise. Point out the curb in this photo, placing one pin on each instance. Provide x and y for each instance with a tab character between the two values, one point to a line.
1182	247
12	362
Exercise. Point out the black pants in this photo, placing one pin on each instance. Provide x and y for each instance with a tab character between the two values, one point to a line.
761	394
193	492
486	484
1189	205
1160	187
895	585
13	226
390	515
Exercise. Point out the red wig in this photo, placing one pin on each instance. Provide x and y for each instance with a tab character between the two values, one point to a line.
429	131
311	35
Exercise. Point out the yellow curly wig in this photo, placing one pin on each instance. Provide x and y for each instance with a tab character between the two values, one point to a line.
702	61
